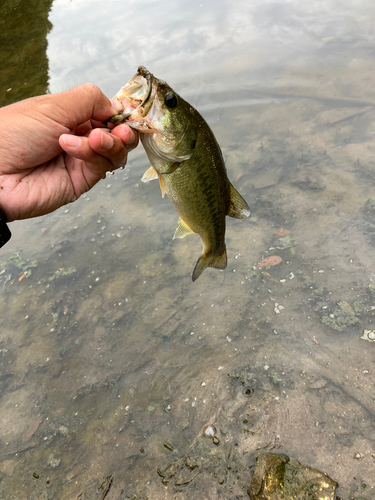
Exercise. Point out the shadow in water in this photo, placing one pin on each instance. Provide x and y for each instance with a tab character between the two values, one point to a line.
24	27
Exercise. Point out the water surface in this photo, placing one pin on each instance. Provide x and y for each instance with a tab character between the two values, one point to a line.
112	361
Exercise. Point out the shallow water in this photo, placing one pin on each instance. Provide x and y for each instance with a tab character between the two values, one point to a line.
112	361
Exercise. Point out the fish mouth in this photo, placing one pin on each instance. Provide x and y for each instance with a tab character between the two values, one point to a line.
134	95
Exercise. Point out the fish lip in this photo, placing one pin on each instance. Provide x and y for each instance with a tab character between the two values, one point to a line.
142	71
127	115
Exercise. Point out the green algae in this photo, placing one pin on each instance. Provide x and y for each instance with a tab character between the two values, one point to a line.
62	272
343	316
285	242
25	266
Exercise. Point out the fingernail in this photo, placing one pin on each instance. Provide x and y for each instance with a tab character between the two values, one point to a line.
71	140
116	105
106	141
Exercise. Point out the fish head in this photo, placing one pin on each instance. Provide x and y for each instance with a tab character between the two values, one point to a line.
152	107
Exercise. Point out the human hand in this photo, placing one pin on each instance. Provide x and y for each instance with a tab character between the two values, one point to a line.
54	148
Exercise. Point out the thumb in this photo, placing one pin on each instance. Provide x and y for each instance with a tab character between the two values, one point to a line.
80	104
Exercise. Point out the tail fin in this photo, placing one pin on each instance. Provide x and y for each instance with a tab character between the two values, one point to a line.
218	261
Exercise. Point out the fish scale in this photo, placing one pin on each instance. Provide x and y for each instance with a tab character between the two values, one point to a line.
201	195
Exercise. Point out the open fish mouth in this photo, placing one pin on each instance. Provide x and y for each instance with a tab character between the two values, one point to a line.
134	94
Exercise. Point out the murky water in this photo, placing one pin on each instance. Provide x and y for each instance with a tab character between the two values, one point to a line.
112	361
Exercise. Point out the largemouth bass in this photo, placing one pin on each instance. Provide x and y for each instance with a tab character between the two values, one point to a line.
186	159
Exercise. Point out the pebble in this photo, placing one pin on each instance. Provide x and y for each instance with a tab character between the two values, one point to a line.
209	431
368	335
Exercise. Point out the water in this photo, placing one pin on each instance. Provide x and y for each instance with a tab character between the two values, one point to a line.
112	361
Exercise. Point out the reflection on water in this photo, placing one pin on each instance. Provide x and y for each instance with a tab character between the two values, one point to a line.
113	362
23	59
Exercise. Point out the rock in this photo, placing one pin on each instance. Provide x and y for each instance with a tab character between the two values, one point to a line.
26	436
368	335
7	467
278	477
318	384
273	260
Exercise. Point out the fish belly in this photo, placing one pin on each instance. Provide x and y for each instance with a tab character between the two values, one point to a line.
199	199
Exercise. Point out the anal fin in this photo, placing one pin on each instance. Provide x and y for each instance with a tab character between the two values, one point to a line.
182	229
238	208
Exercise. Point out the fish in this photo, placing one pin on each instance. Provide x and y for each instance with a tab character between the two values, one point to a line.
186	159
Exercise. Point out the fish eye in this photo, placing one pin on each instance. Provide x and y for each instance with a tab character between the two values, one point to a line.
170	101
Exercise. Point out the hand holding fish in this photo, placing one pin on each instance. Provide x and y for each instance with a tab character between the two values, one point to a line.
54	148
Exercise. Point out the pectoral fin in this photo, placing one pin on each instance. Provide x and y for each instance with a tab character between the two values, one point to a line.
150	175
182	229
218	261
238	208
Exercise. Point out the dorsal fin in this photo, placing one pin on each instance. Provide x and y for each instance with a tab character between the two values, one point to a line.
238	208
182	229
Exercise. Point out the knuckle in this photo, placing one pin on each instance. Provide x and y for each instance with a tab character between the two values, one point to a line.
85	89
91	87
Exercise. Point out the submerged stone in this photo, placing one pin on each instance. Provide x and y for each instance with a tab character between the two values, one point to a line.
278	477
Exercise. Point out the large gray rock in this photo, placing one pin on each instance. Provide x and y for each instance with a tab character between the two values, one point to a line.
278	477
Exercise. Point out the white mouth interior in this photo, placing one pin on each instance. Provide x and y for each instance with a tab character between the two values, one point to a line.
134	91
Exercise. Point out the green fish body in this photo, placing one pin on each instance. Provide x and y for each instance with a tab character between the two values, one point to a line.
188	162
